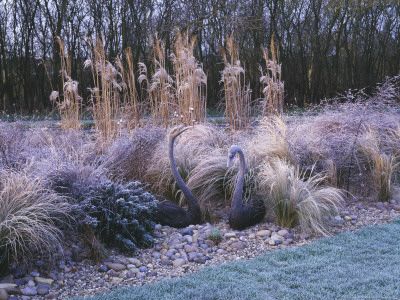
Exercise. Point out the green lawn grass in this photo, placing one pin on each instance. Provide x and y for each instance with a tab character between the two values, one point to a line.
361	265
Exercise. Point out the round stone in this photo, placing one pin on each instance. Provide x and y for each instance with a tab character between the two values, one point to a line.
42	291
187	231
189	249
304	236
188	238
396	207
29	291
271	242
3	294
289	236
229	235
263	233
134	270
136	262
238	245
277	237
283	232
179	262
53	295
209	243
143	269
192	256
113	273
166	262
116	266
200	260
44	280
116	280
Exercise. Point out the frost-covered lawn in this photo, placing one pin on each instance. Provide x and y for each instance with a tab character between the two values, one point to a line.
361	265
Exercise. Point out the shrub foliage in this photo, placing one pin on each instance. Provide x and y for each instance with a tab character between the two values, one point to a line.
120	215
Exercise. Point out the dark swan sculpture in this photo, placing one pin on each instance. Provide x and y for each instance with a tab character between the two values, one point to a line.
240	215
171	214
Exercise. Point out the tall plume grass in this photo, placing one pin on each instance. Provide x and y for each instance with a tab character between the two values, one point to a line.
28	217
382	165
237	94
131	109
181	98
190	81
69	104
106	92
161	87
297	198
273	86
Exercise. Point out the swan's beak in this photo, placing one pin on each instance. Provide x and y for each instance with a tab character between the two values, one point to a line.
229	163
183	129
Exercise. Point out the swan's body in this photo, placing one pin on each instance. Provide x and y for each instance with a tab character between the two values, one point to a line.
171	214
240	215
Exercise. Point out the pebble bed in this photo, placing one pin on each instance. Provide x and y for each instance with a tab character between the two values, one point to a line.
177	252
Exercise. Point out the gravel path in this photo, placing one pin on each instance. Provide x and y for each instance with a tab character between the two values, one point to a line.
177	252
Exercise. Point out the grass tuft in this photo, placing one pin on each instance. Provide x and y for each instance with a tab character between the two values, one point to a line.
297	198
28	217
382	165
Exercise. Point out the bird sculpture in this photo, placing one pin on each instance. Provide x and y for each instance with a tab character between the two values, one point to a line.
171	214
243	215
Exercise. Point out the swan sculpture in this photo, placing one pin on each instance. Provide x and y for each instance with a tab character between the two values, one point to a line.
243	215
171	214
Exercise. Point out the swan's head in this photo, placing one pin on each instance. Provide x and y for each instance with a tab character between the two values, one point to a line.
177	131
232	153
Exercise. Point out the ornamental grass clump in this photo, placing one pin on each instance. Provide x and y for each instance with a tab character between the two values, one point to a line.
129	155
382	165
297	198
29	217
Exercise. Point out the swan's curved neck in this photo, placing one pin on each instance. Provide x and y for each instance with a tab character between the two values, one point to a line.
237	196
190	198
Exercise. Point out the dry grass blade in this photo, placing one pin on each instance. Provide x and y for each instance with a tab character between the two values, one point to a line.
28	216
